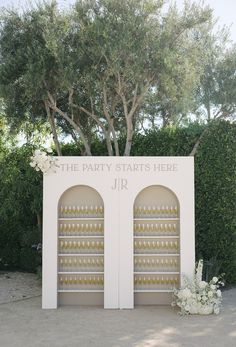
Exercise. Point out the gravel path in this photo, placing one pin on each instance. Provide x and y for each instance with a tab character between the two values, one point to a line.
25	324
18	285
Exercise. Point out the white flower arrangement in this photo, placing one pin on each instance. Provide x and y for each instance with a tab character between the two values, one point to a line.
42	161
198	296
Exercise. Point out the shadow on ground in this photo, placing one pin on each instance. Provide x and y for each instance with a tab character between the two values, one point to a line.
24	323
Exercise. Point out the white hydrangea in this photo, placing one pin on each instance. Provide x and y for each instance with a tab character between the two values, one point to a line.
41	161
218	293
202	284
198	296
210	294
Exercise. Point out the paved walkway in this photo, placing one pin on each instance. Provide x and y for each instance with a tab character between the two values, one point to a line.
24	324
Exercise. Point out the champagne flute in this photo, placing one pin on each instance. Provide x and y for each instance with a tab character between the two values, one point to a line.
167	245
176	211
167	211
167	264
61	262
101	210
66	263
60	228
65	211
69	210
153	211
82	211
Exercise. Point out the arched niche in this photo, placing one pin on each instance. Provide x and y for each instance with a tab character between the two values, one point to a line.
85	195
156	245
80	247
152	195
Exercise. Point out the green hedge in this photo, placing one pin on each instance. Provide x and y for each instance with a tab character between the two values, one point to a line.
20	210
215	193
215	172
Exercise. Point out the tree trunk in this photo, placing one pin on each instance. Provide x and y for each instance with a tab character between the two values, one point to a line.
108	143
197	144
117	151
208	112
72	123
129	137
51	120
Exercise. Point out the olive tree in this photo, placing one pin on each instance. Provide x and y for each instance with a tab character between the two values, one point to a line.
92	70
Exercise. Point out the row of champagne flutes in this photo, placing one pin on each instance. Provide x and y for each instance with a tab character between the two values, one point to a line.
69	229
86	282
81	264
155	282
81	245
149	246
152	228
156	211
81	211
155	264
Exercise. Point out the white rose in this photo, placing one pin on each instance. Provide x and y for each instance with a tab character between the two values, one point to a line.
218	293
214	279
187	293
204	298
216	310
193	309
33	164
180	294
210	294
212	286
202	284
187	307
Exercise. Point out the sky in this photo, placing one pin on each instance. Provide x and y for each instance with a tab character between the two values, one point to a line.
224	10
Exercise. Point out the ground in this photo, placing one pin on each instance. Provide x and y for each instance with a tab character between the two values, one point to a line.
25	324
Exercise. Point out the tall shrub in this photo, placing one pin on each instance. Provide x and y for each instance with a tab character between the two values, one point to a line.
20	210
215	187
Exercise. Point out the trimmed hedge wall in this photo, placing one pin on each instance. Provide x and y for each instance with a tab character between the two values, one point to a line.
20	210
215	194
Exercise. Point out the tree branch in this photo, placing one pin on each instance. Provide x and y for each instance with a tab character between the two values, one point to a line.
51	120
110	121
64	115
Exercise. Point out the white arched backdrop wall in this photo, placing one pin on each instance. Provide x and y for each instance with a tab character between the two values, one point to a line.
118	180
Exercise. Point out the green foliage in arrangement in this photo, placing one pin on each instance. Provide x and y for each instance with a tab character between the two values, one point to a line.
215	193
